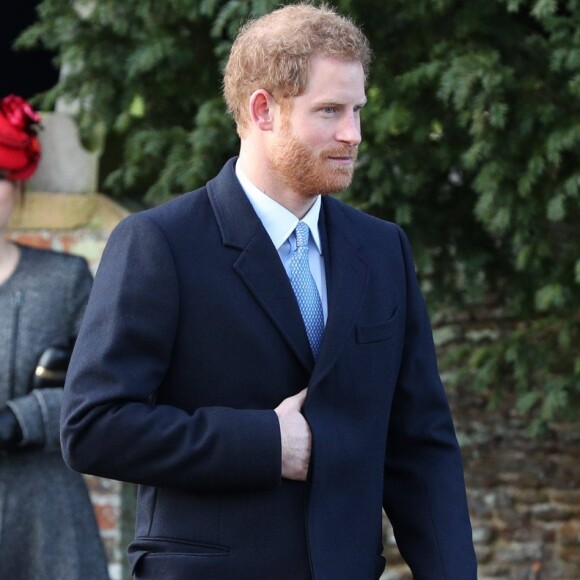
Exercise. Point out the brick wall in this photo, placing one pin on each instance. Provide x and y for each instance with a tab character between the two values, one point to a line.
107	496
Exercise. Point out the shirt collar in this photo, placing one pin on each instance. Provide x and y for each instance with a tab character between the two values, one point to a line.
279	222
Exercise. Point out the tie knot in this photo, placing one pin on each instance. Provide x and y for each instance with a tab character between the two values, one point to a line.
302	233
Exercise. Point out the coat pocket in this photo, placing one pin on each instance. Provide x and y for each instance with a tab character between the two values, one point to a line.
168	547
184	567
378	332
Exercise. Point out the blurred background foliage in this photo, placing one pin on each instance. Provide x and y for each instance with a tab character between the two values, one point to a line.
471	143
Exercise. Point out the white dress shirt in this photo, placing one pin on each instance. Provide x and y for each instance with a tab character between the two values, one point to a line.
280	224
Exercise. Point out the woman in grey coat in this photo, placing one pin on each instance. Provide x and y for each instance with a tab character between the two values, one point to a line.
48	529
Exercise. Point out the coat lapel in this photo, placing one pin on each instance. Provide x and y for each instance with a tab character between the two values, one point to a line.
259	264
346	279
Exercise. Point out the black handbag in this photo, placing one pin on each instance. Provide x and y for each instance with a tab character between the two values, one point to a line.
51	367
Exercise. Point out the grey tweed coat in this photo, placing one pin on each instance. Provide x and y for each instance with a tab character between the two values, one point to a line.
47	525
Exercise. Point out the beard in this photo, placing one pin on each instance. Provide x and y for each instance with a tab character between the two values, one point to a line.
309	173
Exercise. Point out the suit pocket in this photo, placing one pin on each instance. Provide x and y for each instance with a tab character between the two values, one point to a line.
378	332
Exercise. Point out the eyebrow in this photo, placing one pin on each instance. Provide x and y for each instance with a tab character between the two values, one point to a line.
339	104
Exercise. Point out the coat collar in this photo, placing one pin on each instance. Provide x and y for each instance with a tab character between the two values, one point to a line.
260	268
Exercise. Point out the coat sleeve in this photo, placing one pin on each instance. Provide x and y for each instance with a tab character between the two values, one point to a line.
424	490
38	413
111	425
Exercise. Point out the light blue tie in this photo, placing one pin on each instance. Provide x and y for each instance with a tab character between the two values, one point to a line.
305	289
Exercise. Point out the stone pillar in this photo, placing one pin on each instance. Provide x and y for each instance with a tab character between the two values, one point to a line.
65	166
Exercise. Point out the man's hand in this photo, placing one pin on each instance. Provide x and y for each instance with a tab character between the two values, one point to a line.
296	437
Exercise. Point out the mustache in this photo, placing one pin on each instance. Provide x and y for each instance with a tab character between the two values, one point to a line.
346	151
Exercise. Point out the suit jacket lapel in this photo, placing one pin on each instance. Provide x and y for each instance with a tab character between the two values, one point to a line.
346	279
259	264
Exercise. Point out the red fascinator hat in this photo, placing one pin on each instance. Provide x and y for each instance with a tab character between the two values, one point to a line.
19	143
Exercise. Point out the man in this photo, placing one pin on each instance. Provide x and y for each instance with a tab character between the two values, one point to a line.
257	356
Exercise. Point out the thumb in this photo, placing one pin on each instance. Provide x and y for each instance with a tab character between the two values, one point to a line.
298	399
293	403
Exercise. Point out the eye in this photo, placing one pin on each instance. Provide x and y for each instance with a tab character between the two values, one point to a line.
328	110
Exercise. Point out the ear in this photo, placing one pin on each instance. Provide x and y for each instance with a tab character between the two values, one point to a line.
262	109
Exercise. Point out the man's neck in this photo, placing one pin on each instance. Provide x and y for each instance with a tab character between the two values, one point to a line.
267	181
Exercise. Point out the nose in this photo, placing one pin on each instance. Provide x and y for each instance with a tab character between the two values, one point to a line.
349	130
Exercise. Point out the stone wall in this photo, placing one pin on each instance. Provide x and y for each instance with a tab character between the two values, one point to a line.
524	494
74	223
